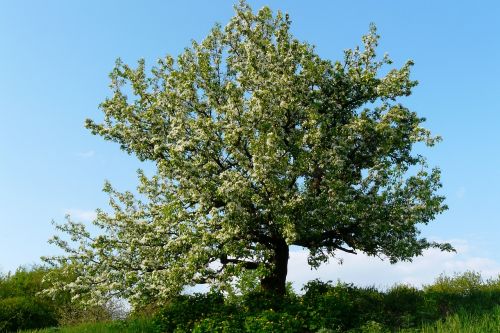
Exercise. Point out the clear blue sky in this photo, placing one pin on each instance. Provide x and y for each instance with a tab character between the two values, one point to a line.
55	57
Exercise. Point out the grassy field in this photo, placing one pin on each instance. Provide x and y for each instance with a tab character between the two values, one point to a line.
486	323
135	326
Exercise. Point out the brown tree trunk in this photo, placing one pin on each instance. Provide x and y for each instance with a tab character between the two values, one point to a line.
275	282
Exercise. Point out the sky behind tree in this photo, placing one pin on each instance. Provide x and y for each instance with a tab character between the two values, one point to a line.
55	57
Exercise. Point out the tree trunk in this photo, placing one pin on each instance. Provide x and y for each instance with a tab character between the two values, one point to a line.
275	282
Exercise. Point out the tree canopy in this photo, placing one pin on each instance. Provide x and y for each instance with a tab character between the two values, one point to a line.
259	144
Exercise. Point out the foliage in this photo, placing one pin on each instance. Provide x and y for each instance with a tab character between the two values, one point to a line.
328	308
23	303
460	322
70	310
465	292
20	305
269	321
406	306
23	282
184	311
25	312
463	322
341	307
259	144
73	313
255	312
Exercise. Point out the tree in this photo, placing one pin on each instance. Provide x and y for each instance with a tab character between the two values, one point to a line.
259	144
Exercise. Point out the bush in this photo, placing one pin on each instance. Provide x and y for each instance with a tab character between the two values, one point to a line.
462	292
270	321
184	311
26	282
25	313
258	301
327	307
404	306
220	324
73	313
21	307
340	307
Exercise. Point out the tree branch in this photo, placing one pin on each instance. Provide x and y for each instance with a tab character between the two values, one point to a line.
246	264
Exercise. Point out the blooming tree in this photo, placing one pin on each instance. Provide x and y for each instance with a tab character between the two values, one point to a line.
259	144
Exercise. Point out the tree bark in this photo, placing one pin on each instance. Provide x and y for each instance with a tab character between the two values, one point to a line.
275	282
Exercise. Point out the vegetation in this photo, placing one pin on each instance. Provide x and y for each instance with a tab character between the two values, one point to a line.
20	305
462	303
259	144
129	326
23	303
463	322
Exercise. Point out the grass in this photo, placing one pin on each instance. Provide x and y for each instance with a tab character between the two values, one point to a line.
129	326
466	323
457	323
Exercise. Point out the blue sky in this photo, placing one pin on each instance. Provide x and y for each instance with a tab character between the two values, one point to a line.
55	57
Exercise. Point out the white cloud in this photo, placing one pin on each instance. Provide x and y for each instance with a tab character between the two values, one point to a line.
87	154
81	215
368	271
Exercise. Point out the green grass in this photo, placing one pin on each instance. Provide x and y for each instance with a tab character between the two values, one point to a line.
130	326
458	323
466	323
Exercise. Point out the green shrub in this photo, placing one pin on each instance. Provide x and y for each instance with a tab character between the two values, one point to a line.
270	321
21	306
404	306
25	313
184	311
488	322
27	282
340	307
462	292
328	306
372	327
220	324
254	312
24	305
258	301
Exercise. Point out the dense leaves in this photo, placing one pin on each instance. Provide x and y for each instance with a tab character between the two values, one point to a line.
25	305
327	307
20	305
259	144
459	303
